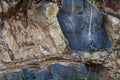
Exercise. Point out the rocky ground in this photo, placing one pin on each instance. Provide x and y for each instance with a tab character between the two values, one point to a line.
32	43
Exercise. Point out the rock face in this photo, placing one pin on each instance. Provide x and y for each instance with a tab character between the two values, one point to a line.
34	40
40	35
83	26
56	72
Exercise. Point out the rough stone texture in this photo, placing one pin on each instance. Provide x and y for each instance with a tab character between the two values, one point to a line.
115	24
40	43
17	75
41	75
57	71
82	25
41	36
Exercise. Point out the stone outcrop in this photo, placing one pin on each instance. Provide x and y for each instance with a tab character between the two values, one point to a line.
58	71
37	41
40	35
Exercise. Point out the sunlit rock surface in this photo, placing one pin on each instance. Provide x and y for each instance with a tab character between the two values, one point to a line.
40	43
41	36
114	28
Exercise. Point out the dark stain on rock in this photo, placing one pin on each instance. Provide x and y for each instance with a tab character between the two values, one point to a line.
82	25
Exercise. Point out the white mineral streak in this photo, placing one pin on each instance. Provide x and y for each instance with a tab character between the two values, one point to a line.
89	32
42	50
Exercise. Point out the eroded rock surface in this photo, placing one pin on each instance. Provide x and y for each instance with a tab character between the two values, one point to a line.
40	35
37	41
82	25
58	71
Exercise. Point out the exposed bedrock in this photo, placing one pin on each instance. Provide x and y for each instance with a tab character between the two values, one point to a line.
36	41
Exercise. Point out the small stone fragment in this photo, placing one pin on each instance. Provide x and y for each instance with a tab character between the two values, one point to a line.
118	62
95	56
86	55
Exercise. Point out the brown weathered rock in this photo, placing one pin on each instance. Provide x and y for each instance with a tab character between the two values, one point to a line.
42	36
95	56
36	40
9	38
114	30
118	62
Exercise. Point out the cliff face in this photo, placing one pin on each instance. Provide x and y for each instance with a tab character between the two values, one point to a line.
35	35
32	35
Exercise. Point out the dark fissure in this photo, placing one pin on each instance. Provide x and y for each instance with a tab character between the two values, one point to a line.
82	25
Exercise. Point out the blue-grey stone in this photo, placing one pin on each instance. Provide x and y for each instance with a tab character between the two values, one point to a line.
74	72
2	76
16	75
61	72
82	25
57	72
42	75
94	74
